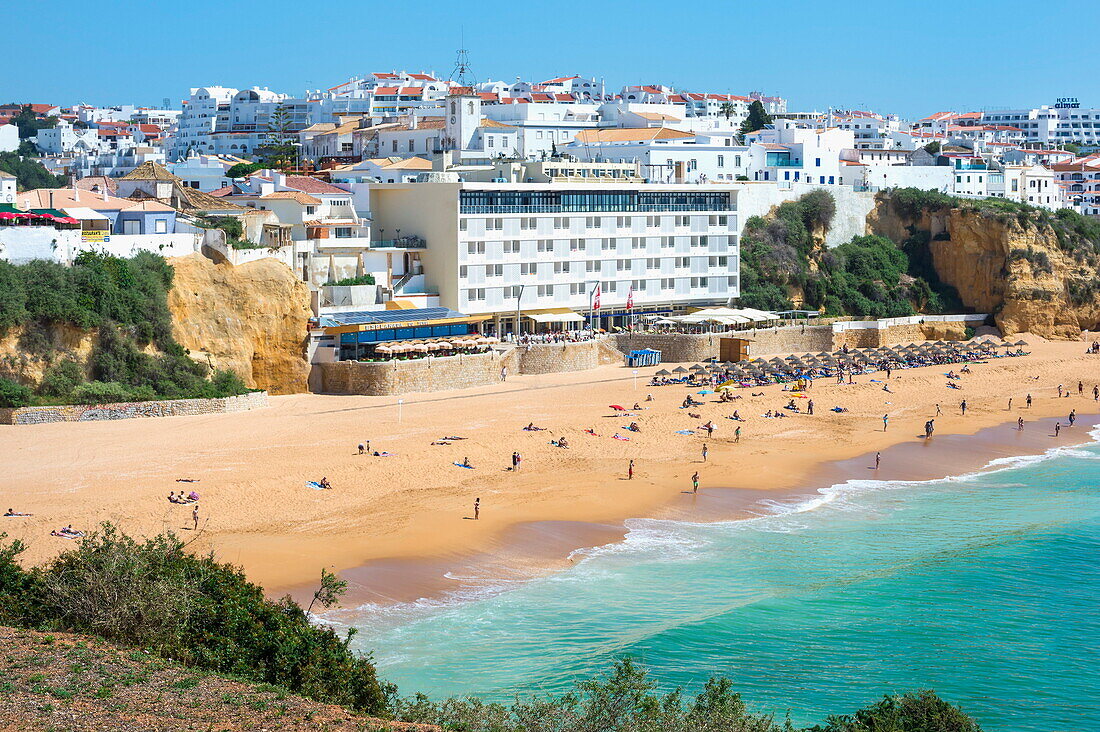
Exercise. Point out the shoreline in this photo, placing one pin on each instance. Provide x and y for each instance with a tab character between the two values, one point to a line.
409	509
531	550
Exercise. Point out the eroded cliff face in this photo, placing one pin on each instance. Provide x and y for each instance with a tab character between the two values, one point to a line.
250	318
27	351
1014	269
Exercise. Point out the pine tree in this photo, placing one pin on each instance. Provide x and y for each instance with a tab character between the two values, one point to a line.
758	118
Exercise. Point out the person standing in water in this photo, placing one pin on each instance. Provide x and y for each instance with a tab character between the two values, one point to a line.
1057	428
878	459
1020	424
1072	416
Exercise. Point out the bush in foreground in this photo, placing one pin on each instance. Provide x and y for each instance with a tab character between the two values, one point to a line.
626	700
203	613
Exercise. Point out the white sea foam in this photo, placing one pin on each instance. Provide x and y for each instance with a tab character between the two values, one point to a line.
670	540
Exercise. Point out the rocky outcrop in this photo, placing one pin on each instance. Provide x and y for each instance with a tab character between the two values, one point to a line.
250	318
1009	265
26	351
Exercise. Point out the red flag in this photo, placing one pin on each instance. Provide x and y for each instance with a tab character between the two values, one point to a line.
630	298
596	297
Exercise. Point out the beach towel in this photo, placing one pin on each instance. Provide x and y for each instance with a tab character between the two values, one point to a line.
685	432
314	485
620	437
460	465
704	392
617	407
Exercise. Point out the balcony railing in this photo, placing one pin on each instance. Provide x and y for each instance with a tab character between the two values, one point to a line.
405	242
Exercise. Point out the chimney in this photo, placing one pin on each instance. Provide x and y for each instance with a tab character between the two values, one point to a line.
412	121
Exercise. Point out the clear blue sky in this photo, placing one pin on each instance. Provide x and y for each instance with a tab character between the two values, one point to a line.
908	57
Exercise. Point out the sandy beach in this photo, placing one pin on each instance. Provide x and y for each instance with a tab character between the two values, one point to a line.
397	524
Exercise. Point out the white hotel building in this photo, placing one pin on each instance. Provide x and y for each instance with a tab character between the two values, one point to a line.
490	248
1055	124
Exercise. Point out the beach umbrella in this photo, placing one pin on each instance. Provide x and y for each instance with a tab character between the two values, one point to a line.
663	372
1020	343
698	367
679	370
385	350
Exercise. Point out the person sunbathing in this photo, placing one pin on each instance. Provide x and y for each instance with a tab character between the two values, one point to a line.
13	512
532	428
591	432
637	406
840	409
634	427
441	442
324	484
67	532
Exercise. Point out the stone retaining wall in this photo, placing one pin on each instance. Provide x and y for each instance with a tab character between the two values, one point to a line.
132	410
426	374
461	372
689	347
556	358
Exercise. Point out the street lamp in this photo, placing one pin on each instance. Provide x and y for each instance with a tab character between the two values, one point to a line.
519	323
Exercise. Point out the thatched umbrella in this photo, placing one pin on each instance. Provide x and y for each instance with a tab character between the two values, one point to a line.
698	367
1020	343
663	372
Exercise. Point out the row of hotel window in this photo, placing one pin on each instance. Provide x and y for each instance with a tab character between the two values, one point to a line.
607	244
611	266
666	284
529	223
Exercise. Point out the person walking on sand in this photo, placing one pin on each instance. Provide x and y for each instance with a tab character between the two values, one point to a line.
630	471
705	452
1010	404
962	406
477	508
737	434
1029	401
195	517
1059	391
504	373
938	411
878	459
885	421
1080	388
810	407
695	482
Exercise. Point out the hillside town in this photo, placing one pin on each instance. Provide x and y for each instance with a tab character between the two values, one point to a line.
414	206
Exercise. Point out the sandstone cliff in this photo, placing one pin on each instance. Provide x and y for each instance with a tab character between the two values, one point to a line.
27	351
250	318
1021	268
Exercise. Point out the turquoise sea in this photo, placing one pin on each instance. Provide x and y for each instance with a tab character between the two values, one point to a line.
985	587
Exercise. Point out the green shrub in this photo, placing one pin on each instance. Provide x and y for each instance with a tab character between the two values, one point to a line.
627	700
60	379
100	392
155	595
365	279
14	394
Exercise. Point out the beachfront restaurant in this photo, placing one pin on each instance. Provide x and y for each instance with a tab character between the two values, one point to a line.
401	333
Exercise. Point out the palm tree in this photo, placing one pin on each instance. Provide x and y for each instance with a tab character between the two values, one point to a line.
727	109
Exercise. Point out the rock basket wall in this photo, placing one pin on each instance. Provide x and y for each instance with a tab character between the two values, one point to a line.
133	410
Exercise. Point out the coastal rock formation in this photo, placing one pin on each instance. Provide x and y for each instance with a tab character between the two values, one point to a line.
250	318
26	351
1017	267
